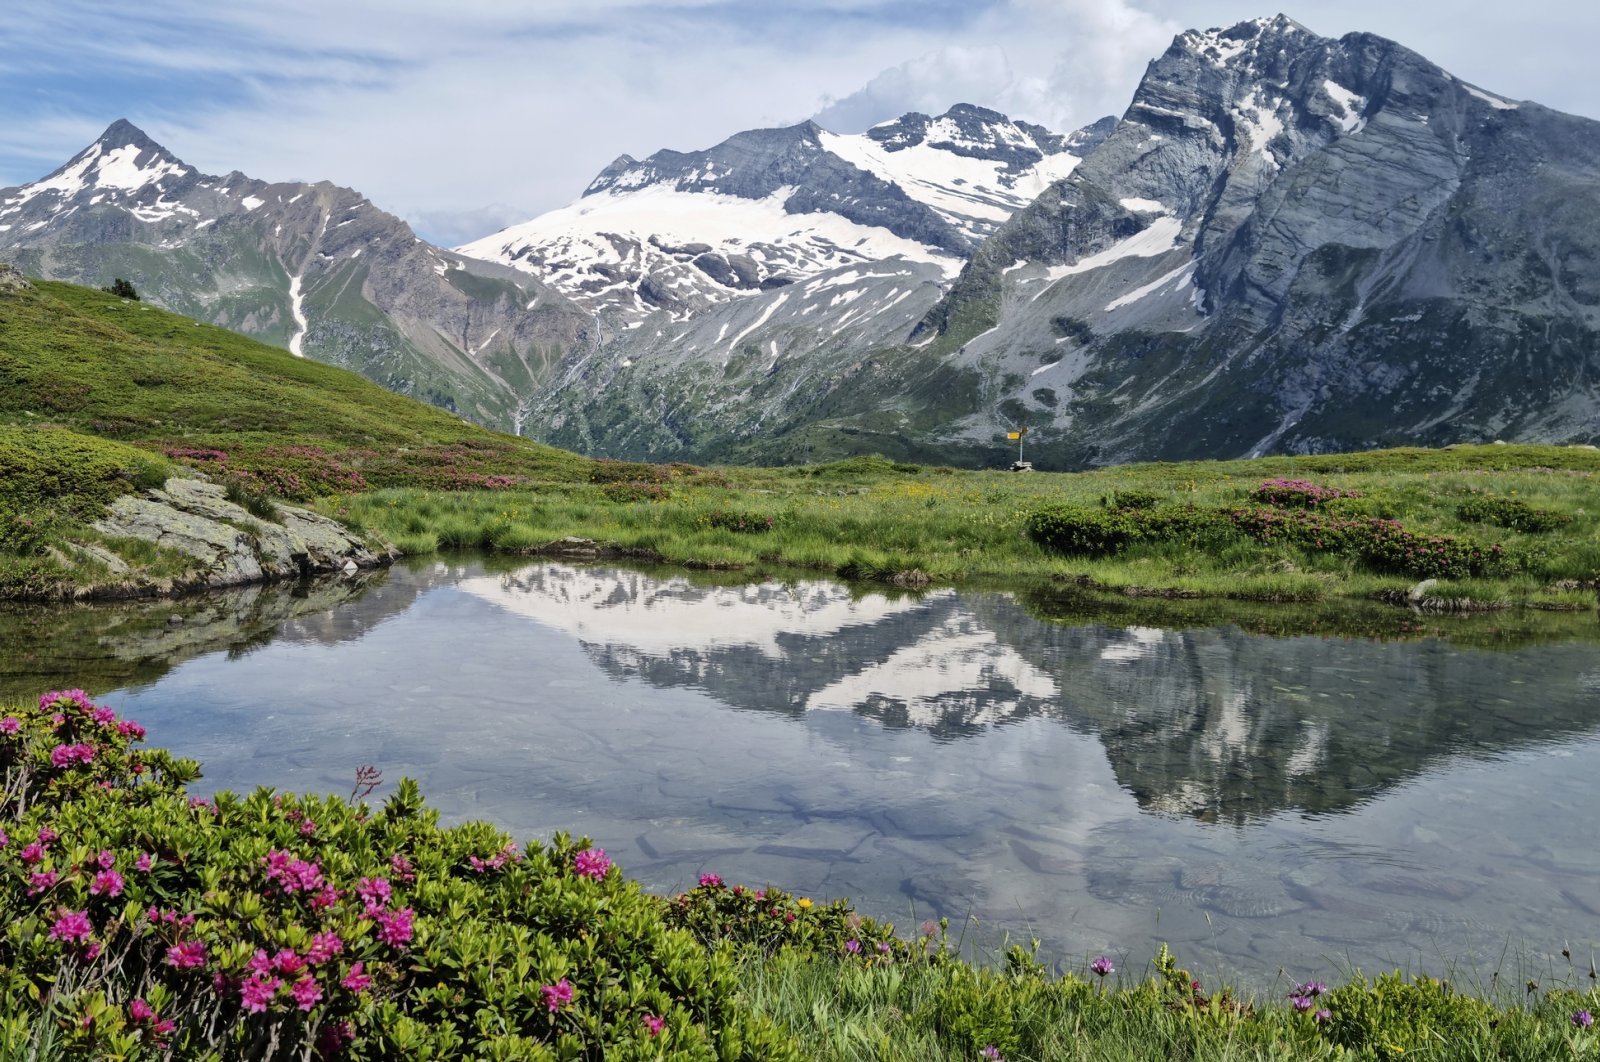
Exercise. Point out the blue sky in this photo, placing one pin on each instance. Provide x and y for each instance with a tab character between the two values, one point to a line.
466	115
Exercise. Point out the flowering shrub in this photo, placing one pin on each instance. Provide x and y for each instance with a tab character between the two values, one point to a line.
770	920
1298	494
1382	545
298	473
149	922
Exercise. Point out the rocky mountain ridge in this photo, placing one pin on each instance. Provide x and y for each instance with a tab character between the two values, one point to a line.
1288	243
681	232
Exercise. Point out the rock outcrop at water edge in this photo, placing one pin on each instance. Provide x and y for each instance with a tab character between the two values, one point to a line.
230	546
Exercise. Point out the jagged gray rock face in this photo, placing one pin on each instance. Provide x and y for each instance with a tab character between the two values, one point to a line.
1298	244
12	281
312	267
232	547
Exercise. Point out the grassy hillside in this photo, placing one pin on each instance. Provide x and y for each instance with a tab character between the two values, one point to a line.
78	358
101	396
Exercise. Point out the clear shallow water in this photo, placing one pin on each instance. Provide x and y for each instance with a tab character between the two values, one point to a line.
1308	803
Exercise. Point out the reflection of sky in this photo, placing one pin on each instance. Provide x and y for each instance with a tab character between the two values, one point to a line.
489	693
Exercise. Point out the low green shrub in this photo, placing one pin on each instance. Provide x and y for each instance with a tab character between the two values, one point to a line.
1079	531
635	490
1134	499
745	523
1512	513
1381	545
606	470
252	501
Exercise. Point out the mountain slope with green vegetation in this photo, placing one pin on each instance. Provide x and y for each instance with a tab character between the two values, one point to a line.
101	396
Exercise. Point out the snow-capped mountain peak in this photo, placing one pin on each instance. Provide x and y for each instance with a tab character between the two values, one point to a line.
681	231
123	162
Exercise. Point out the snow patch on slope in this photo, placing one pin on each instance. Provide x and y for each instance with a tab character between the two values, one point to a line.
1163	235
965	191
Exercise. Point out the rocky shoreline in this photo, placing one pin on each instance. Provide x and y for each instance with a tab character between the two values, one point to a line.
229	546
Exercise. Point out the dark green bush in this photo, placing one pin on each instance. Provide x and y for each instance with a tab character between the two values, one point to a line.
741	523
1078	531
122	289
1134	499
1382	545
253	502
1512	513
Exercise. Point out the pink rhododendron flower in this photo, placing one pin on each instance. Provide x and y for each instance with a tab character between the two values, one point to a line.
402	867
710	881
332	1039
356	980
139	1010
41	881
143	862
103	716
257	992
66	755
10	725
306	992
591	863
287	962
307	828
654	1024
74	925
107	859
394	927
324	946
326	897
5	838
107	882
557	995
189	955
260	962
129	729
47	836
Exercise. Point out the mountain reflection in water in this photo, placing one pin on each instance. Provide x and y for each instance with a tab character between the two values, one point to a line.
1211	723
1255	801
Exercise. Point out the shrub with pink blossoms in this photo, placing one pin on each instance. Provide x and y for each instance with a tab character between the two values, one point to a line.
213	926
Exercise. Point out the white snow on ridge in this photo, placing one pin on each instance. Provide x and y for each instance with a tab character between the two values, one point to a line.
1494	101
250	202
967	192
1145	206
